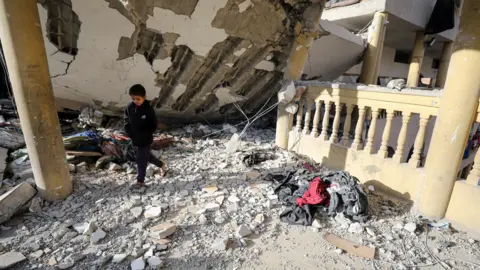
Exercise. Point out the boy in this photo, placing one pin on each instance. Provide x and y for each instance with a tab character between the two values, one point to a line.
140	124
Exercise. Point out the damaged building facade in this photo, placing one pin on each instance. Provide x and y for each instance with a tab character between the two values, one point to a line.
194	57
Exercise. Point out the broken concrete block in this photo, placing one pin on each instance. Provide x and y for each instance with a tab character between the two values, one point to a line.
154	262
28	173
153	212
97	236
36	205
411	227
114	167
243	231
36	255
11	201
10	258
72	168
90	228
260	218
164	230
252	175
118	258
136	211
138	264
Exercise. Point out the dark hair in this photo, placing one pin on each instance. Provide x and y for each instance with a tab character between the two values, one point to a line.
137	90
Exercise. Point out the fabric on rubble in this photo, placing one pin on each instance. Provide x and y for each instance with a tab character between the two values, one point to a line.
346	195
83	141
316	193
442	18
257	157
336	192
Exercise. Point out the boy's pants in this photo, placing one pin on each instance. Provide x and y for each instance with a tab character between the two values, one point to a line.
144	156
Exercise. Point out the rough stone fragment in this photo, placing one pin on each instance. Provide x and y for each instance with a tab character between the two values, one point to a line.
97	236
114	167
370	231
154	262
118	258
220	199
14	199
71	167
212	206
411	227
317	224
243	231
66	264
10	258
52	261
210	189
252	175
220	244
36	205
162	247
164	230
153	212
136	211
90	228
138	264
260	218
35	255
355	228
80	227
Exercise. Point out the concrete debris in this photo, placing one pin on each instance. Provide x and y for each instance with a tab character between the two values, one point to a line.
136	211
316	224
36	205
411	227
154	262
260	218
153	212
97	236
90	228
355	228
11	201
164	230
80	227
36	255
220	244
243	231
114	167
118	258
66	264
212	206
52	261
138	264
9	259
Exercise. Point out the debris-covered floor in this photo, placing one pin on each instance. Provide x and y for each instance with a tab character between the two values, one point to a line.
211	211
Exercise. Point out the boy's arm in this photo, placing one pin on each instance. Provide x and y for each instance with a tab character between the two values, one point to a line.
126	123
152	120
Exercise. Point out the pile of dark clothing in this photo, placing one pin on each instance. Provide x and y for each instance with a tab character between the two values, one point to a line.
258	157
329	193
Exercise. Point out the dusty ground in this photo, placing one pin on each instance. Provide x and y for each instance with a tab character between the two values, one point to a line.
206	219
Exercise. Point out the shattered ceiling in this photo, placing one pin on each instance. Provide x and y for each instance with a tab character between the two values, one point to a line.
241	60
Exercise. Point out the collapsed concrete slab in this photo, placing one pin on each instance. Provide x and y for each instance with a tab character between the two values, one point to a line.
10	259
195	58
11	201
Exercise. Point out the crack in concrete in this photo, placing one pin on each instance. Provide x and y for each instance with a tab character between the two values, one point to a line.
66	69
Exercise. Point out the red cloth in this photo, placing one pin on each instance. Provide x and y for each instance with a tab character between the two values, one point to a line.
316	194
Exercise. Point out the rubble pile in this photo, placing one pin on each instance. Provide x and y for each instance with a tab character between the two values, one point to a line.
216	210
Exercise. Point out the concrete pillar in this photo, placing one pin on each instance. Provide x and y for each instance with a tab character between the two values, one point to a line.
22	39
296	62
444	62
417	59
373	55
458	105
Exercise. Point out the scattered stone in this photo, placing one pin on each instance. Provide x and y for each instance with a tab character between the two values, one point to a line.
252	175
371	188
260	218
71	167
90	228
210	189
164	230
411	227
220	199
35	255
212	206
136	211
10	258
36	205
243	231
47	251
338	251
80	227
118	258
370	231
355	228
202	219
220	244
398	226
138	264
97	236
471	241
316	224
153	212
161	241
154	262
233	199
184	193
82	167
66	264
114	167
52	261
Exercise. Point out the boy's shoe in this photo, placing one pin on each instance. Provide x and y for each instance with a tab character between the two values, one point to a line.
138	185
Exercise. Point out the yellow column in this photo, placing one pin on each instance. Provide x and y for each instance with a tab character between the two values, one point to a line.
459	102
296	62
22	39
417	59
444	62
373	55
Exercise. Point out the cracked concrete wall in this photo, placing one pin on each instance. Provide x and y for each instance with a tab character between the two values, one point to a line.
194	57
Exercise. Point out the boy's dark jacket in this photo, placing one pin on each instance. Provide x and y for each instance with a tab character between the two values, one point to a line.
140	123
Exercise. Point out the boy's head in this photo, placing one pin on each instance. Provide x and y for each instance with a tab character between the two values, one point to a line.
138	94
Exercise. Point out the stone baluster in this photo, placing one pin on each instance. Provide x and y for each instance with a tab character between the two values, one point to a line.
419	140
308	116
326	119
402	137
336	122
383	152
316	117
371	131
346	125
359	128
299	116
474	174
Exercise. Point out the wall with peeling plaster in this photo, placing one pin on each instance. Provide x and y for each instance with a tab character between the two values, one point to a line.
194	57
